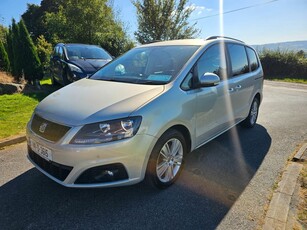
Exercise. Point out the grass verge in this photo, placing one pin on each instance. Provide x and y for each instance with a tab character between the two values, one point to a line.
291	80
302	208
16	111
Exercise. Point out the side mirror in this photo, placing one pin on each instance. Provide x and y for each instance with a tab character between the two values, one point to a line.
209	79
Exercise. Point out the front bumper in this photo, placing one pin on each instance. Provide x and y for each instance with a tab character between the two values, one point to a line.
70	162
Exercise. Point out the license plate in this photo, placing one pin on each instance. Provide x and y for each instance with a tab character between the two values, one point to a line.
41	150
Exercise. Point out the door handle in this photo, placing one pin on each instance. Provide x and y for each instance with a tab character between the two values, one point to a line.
231	90
238	87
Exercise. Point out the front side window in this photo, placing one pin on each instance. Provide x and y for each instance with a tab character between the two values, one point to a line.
147	65
238	58
213	61
61	52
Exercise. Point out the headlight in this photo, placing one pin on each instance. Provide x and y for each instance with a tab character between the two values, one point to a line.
107	131
74	68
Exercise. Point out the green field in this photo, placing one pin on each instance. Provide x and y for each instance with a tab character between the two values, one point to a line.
15	112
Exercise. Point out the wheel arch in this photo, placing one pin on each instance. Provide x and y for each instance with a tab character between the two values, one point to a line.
186	134
258	96
149	170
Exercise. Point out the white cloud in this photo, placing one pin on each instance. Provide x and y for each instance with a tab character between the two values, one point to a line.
198	10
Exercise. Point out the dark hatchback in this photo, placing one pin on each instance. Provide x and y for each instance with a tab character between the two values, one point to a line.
71	62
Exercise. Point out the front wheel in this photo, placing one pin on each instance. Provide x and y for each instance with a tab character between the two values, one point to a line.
65	77
251	119
166	160
54	82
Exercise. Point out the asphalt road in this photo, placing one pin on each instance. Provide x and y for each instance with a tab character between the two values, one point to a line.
225	184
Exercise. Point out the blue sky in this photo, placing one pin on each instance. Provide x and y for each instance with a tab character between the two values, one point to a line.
259	22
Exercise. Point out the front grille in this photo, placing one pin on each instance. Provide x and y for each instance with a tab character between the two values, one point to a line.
54	169
47	129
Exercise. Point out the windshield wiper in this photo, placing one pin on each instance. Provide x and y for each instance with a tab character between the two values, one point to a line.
132	81
115	80
150	82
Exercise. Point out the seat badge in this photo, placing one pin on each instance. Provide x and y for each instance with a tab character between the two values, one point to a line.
43	127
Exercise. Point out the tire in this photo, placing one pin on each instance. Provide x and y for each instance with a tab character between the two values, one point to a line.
54	82
251	119
166	160
65	78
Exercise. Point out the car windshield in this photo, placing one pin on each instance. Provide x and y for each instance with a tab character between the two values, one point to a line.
86	52
147	65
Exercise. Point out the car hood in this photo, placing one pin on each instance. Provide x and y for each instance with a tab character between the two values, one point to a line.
89	65
89	101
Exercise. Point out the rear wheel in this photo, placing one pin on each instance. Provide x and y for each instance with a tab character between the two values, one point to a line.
251	119
166	160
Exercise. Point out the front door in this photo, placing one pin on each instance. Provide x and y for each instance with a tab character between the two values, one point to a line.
213	106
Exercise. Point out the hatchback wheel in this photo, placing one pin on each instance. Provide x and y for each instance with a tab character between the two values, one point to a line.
251	119
65	77
54	82
166	160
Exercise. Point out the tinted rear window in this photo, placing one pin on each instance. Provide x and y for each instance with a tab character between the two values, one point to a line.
239	62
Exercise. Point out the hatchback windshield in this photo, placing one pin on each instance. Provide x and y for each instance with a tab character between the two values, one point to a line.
147	65
86	52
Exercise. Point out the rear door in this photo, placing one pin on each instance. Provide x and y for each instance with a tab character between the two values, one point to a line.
241	81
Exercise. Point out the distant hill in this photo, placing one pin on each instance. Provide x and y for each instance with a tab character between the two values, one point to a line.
290	46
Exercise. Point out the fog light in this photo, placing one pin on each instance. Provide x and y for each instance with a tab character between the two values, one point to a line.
103	174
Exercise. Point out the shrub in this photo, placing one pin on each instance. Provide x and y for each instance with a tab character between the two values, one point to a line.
284	64
44	50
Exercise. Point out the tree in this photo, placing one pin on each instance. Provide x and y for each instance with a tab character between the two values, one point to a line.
31	65
4	59
34	15
17	54
90	22
9	48
163	20
32	19
3	32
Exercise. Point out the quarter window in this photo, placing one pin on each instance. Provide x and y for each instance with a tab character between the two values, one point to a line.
239	62
253	61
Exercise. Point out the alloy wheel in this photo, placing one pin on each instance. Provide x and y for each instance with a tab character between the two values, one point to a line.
169	160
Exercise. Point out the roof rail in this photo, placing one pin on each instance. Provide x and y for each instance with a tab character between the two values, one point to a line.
219	36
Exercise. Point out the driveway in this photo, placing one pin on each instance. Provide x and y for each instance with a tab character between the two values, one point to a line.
225	183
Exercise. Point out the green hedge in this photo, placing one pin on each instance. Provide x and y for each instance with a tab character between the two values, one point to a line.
284	64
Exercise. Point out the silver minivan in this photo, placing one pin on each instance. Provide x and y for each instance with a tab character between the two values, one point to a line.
138	116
